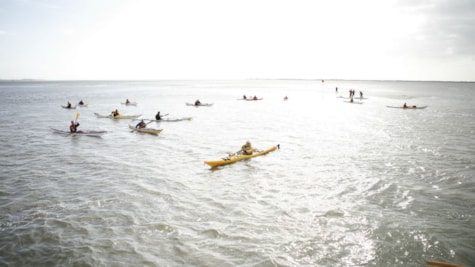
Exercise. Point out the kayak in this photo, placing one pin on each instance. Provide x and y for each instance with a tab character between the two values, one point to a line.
118	116
72	107
129	104
354	102
146	130
235	158
442	264
83	105
408	107
173	119
87	133
200	105
250	99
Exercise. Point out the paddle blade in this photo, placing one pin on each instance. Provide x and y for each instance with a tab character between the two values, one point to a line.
77	115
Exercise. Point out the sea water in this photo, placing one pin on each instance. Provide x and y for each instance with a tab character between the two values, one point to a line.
351	185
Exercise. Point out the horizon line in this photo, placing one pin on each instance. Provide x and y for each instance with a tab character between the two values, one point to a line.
244	79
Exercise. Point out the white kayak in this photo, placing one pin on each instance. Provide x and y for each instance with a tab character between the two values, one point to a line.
87	133
200	105
173	119
408	107
145	130
66	107
129	104
118	116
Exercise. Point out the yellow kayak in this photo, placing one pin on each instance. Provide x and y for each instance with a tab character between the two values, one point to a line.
442	264
234	158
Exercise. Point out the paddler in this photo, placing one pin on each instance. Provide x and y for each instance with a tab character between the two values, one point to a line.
246	149
115	113
158	117
141	125
73	127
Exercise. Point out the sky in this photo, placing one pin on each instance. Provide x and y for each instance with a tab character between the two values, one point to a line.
230	39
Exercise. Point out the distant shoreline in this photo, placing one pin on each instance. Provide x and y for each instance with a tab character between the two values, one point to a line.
251	79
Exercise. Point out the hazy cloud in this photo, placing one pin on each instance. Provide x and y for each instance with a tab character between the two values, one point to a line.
447	28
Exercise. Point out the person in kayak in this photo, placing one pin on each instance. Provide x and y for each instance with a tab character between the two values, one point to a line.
68	105
244	97
141	125
246	149
127	101
197	102
81	102
73	127
115	113
158	117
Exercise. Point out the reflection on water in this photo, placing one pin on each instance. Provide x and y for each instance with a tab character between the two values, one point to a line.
351	185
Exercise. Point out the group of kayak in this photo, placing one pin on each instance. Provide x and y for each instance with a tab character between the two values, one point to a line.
140	127
246	151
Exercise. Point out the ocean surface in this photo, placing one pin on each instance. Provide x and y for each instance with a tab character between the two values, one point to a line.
351	185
